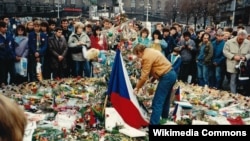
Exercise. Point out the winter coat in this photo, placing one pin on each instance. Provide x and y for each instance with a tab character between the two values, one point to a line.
99	43
231	49
218	56
21	48
43	43
7	48
205	53
75	49
58	47
186	53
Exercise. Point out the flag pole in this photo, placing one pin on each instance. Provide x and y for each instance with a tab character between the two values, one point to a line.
105	104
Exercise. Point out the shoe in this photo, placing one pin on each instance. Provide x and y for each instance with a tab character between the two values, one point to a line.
163	121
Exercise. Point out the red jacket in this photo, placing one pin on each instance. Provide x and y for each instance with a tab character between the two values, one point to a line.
99	43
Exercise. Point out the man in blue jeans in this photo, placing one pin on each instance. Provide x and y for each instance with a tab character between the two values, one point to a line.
155	64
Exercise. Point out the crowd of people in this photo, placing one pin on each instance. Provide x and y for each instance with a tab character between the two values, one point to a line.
206	57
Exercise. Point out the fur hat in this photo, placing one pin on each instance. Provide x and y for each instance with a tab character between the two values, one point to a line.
219	32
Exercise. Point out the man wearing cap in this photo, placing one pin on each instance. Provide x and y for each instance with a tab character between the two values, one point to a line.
215	75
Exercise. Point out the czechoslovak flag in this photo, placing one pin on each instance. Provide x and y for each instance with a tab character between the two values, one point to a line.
177	94
122	97
177	112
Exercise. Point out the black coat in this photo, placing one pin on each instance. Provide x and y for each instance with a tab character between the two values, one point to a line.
57	47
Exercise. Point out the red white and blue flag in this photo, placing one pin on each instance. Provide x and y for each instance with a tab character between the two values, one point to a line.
122	97
177	94
177	112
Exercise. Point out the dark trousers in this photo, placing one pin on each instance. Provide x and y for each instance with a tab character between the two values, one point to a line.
59	72
20	79
47	69
7	67
70	65
185	70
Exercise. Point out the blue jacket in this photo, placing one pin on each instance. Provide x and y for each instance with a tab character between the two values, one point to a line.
7	47
218	56
142	41
43	43
175	61
102	56
171	44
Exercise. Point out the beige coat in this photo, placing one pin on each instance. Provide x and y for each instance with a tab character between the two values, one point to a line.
72	43
231	49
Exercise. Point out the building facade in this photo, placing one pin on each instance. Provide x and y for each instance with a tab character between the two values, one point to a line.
38	7
234	12
140	9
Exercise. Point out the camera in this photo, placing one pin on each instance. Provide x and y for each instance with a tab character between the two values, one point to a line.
239	64
186	44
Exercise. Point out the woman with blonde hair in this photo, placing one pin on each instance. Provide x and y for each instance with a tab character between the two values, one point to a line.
12	120
29	27
79	41
96	55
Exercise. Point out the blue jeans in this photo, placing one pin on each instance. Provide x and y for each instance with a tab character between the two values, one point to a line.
233	84
215	76
161	101
202	75
80	66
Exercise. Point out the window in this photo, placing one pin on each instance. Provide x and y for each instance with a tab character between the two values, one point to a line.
159	5
142	3
132	3
151	2
73	1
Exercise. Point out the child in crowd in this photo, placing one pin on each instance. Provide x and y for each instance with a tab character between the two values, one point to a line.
175	60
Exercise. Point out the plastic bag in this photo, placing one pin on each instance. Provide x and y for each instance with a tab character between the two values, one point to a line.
21	67
84	51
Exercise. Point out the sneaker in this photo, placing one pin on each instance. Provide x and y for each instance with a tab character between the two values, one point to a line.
163	121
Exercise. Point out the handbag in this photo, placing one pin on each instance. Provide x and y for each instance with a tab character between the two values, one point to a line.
84	48
84	51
